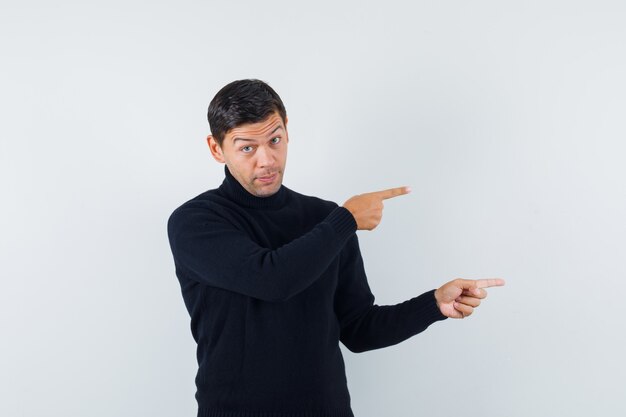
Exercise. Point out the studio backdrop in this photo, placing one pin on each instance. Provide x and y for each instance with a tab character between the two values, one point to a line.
505	118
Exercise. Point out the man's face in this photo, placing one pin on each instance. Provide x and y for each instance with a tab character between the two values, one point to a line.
256	154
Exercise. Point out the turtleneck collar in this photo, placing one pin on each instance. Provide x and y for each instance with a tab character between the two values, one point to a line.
234	191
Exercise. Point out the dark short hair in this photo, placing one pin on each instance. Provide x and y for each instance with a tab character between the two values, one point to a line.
241	102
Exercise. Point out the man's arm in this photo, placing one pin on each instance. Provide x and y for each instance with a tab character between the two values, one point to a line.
218	254
367	326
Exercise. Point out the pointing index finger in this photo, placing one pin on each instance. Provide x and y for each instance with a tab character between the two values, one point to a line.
393	192
492	282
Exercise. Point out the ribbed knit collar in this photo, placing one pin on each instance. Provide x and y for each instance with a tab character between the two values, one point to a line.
234	191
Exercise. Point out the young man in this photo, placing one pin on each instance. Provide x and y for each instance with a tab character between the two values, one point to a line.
274	279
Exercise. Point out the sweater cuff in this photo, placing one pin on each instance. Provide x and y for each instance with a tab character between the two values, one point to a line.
426	307
342	221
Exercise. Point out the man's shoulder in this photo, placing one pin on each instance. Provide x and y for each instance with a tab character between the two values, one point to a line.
205	203
314	202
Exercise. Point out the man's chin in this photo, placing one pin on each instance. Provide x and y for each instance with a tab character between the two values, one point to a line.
266	193
265	189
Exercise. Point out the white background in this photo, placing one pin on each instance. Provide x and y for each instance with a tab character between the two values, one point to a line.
506	119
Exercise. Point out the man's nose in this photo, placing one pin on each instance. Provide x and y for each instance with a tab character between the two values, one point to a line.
265	157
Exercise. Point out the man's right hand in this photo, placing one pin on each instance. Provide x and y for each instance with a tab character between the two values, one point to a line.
367	208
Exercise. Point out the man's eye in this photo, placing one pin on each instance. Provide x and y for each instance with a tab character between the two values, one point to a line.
247	147
277	137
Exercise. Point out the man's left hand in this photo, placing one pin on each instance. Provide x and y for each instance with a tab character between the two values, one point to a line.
458	298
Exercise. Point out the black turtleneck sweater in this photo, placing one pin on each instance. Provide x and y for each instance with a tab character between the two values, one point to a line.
272	284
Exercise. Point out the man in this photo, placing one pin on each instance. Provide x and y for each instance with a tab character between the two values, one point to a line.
274	279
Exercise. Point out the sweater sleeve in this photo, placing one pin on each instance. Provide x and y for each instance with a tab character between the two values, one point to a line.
367	326
212	251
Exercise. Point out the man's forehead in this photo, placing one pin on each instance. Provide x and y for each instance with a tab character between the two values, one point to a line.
262	128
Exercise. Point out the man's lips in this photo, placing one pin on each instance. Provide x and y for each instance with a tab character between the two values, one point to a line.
268	178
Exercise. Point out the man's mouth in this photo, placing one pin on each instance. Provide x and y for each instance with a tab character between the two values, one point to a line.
268	178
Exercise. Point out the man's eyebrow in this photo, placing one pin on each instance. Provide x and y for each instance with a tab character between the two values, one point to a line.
252	140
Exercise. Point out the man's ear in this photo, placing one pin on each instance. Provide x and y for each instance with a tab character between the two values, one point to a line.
215	148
